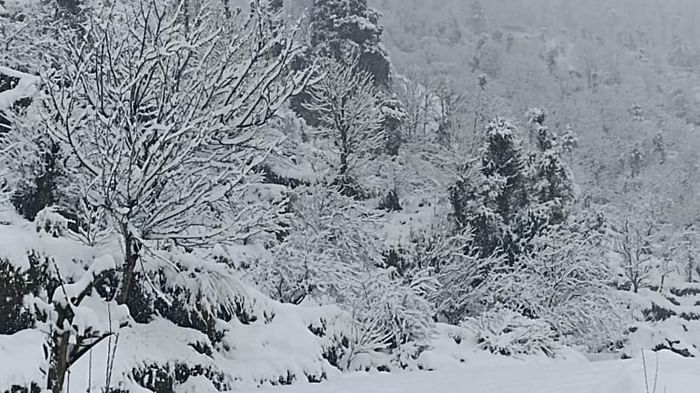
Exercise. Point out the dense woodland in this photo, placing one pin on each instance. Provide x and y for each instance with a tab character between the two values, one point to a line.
205	195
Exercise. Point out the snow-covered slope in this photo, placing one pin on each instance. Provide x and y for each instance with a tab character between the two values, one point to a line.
675	375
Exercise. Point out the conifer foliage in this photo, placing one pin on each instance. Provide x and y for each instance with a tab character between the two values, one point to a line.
349	29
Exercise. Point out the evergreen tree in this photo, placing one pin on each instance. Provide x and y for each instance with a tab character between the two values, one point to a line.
349	29
394	118
493	190
40	186
503	166
552	181
507	200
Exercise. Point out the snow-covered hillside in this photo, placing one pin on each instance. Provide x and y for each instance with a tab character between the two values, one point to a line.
213	196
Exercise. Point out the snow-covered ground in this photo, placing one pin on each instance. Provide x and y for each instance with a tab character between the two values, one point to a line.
675	375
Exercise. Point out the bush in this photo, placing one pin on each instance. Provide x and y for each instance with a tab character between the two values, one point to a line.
15	284
508	333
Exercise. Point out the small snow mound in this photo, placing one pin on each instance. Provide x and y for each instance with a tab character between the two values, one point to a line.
22	360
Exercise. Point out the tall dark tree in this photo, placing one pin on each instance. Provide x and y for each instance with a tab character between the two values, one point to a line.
493	191
349	29
503	166
551	190
39	187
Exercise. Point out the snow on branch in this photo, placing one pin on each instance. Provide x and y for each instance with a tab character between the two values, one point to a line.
159	107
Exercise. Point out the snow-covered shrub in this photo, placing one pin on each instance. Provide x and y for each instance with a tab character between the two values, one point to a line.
42	180
461	272
10	146
54	296
562	281
253	340
674	334
196	291
51	222
332	254
451	346
388	313
445	259
15	284
509	333
76	310
330	242
577	299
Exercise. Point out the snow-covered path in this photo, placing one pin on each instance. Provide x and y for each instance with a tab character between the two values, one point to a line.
675	376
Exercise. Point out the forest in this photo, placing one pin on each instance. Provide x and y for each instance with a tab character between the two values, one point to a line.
349	196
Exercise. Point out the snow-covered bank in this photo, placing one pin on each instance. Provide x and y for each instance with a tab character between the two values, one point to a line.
675	375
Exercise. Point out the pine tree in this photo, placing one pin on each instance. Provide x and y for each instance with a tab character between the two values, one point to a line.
394	118
552	181
502	164
42	181
493	190
349	29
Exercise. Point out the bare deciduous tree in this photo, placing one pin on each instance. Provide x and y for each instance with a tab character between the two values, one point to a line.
632	244
160	106
348	106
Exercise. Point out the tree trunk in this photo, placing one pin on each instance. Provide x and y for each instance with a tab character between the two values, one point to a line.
344	153
131	255
59	362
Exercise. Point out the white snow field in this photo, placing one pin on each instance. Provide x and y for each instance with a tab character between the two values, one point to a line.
675	375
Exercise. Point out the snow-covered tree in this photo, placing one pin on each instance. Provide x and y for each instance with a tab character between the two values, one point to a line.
347	30
395	116
486	57
332	254
414	94
552	180
349	110
459	268
159	105
502	164
563	281
569	141
330	241
449	103
632	245
493	190
684	250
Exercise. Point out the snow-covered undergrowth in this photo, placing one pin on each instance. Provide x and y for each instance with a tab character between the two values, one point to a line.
173	345
260	342
668	319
